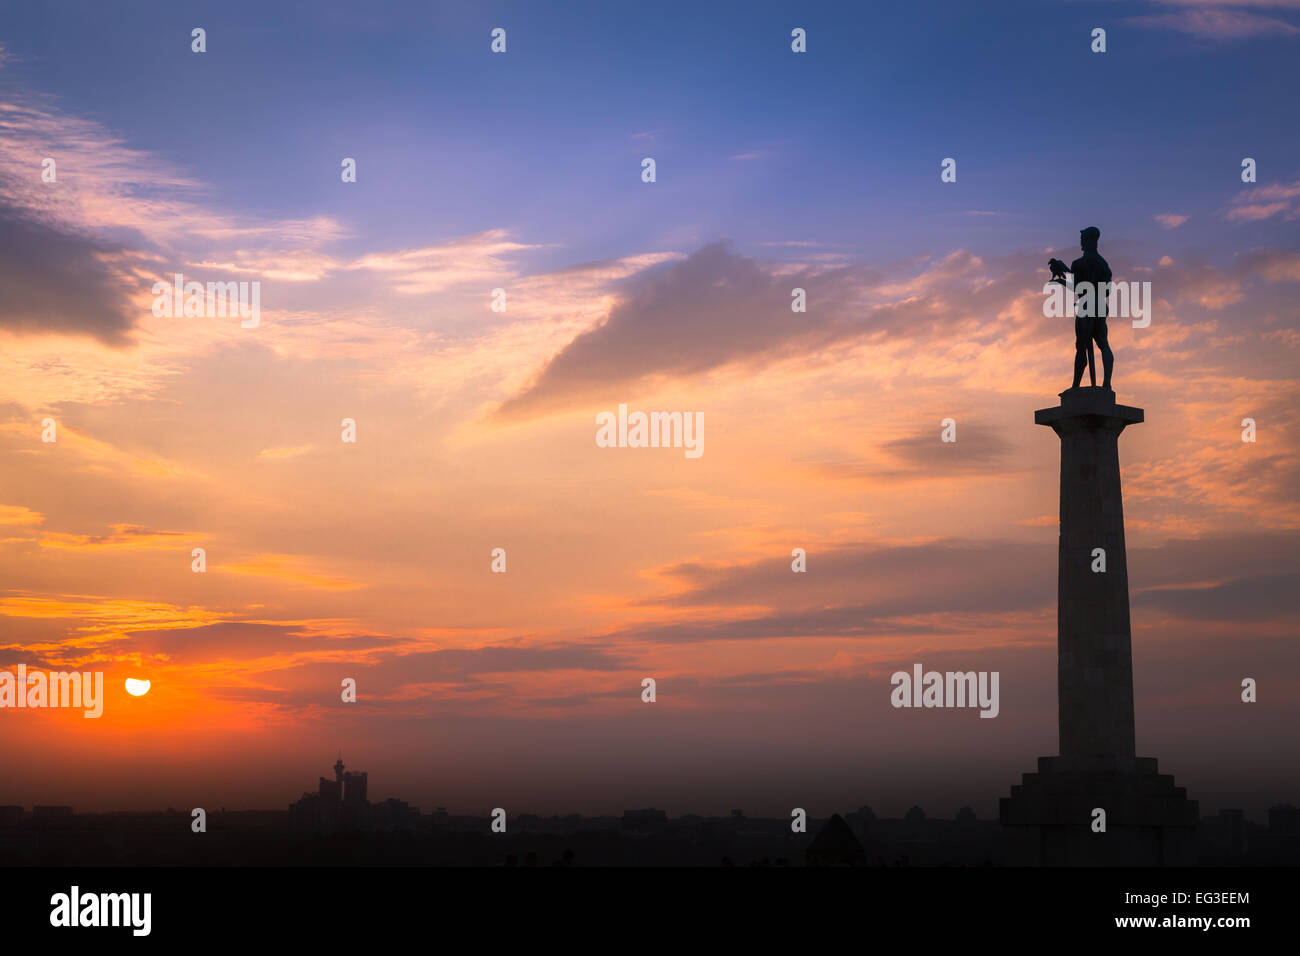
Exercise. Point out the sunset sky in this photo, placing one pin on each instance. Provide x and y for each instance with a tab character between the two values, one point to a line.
475	429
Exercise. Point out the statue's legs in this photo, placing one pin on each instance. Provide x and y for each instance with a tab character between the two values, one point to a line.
1082	348
1107	356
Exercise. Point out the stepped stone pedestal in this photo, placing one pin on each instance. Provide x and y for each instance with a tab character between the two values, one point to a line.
1149	821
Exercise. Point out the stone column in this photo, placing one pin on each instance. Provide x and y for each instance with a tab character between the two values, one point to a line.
1094	652
1051	815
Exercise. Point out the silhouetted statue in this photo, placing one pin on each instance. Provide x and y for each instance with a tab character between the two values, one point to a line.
1092	283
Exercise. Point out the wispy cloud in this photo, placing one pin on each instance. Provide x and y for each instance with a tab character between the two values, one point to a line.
289	569
285	452
124	537
1209	19
20	516
471	259
73	250
1264	202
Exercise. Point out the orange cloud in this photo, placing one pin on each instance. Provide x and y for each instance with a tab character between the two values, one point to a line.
18	515
124	537
105	616
283	567
288	451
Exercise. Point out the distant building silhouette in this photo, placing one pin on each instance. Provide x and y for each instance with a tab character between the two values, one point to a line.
1283	819
341	804
349	788
835	845
51	813
643	821
1232	824
327	831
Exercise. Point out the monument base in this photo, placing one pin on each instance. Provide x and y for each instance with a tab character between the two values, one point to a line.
1149	820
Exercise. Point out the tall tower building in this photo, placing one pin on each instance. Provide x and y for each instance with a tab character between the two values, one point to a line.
354	787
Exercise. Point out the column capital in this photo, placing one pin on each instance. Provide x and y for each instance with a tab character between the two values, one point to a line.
1085	401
